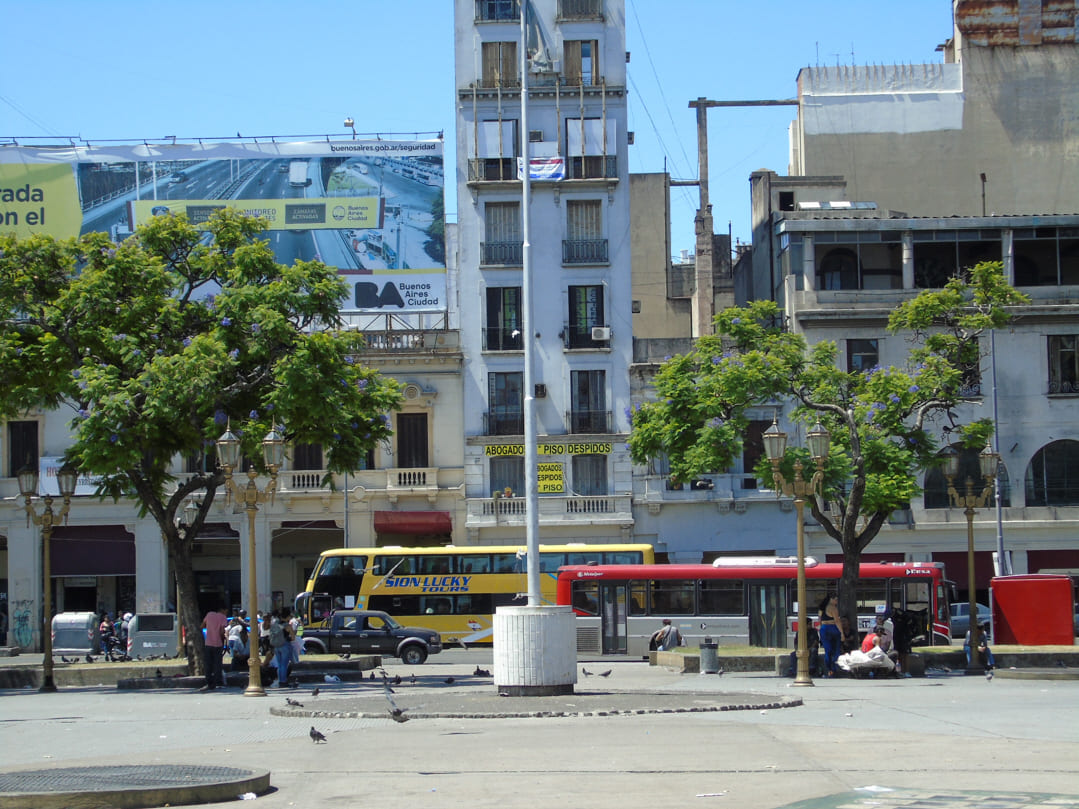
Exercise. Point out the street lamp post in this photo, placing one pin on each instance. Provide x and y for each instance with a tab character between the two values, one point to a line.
988	463
66	479
228	455
775	445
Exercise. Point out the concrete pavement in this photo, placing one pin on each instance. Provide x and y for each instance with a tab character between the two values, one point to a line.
946	736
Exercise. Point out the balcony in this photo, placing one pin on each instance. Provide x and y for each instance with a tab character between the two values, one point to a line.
589	421
412	481
584	251
574	336
492	168
507	423
553	510
498	10
580	9
495	339
501	254
396	481
592	167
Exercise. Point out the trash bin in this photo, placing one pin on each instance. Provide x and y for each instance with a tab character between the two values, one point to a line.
75	633
151	635
709	656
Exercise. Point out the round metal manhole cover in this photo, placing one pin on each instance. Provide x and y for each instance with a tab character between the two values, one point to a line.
127	786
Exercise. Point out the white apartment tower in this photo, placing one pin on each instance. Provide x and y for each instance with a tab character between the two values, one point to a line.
578	210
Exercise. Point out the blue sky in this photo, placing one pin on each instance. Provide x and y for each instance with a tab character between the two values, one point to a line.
112	69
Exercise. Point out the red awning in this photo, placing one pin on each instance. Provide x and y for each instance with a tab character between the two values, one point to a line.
92	550
413	522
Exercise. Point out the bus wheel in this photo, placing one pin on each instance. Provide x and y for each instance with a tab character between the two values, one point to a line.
413	655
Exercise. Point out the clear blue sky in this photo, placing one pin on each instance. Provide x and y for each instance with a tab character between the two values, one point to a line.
112	69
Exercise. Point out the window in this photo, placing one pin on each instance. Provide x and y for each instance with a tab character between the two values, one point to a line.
584	242
412	444
499	64
672	597
502	233
1063	363
497	10
503	332
861	355
585	313
1053	475
590	475
722	597
505	413
496	151
507	472
588	402
22	446
592	146
580	9
1046	256
581	63
307	456
839	269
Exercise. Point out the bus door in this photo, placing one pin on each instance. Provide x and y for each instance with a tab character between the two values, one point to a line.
768	614
615	599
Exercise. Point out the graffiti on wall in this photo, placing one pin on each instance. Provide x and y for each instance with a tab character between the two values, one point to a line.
22	629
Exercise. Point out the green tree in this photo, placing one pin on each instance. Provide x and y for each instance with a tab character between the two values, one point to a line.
158	343
879	419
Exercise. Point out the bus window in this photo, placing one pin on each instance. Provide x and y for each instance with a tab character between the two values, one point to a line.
395	605
394	565
816	590
917	593
638	598
550	562
475	563
506	563
621	558
435	565
722	597
592	558
586	597
672	597
872	597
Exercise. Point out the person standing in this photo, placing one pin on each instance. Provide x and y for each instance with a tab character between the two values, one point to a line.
215	624
281	643
830	637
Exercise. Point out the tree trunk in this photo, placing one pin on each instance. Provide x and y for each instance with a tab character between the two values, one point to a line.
848	584
187	605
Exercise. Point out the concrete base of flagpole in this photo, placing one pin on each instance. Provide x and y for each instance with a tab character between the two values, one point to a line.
535	651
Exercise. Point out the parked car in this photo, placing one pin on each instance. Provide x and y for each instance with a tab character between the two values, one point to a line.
372	632
961	618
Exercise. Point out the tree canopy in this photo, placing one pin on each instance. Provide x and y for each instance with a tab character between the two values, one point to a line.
882	420
156	344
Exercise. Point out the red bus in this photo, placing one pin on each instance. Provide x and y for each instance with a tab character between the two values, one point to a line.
740	600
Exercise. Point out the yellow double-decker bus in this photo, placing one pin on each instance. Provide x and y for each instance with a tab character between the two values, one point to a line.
452	589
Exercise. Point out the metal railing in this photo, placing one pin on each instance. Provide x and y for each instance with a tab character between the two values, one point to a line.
503	423
502	340
492	168
592	167
584	251
588	421
580	9
498	10
552	509
501	253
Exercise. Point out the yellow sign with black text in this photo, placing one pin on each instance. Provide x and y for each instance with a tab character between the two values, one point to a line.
551	478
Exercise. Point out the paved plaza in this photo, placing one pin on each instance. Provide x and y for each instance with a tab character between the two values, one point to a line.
642	737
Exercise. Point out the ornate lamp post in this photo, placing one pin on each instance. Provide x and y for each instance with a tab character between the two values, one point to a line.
228	455
988	463
775	445
66	479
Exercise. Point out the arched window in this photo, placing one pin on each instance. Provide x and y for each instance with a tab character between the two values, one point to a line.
839	269
1053	475
936	485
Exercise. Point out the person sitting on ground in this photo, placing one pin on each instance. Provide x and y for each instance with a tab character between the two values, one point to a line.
985	654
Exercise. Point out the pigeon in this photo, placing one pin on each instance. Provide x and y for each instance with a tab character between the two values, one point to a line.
316	737
449	681
721	672
157	674
397	680
345	656
314	693
372	676
412	679
585	672
64	659
396	713
481	672
988	674
293	703
89	659
606	673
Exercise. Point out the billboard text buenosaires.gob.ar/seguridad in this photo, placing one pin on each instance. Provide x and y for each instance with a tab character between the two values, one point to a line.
368	208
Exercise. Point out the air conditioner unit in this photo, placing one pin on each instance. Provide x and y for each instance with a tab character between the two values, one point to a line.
601	333
541	390
535	135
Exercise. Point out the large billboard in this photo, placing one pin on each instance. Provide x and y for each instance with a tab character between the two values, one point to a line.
372	209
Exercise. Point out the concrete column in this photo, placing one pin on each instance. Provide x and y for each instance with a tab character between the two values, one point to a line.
24	585
535	651
908	260
153	586
809	264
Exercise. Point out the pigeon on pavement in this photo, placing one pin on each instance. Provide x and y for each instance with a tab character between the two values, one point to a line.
606	673
585	672
396	713
316	737
293	702
314	693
